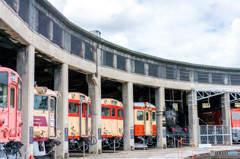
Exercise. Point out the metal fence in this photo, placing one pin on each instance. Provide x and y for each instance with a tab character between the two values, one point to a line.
214	134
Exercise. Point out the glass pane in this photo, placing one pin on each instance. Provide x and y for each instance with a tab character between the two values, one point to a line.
19	103
3	95
105	111
153	116
147	115
40	102
120	113
113	111
73	108
12	95
52	104
139	115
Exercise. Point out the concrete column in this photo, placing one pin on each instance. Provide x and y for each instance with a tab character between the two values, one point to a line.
115	61
193	117
160	105
146	69
128	65
128	125
25	68
94	92
226	118
61	84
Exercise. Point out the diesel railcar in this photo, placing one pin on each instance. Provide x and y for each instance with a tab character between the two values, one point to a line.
45	131
10	113
112	123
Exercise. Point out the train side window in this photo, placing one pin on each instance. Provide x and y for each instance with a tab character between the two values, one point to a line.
3	95
106	111
235	115
73	108
12	97
120	113
153	116
113	112
147	116
40	102
139	115
19	97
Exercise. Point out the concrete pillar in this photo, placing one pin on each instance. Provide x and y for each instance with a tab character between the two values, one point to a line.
115	61
193	117
128	65
226	118
146	69
160	105
25	68
128	125
94	92
61	84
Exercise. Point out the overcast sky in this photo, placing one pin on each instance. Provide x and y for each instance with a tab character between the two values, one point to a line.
195	31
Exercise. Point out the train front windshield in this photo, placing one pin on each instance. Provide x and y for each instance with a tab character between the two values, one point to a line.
3	89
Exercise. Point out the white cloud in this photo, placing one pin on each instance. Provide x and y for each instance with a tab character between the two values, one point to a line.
204	32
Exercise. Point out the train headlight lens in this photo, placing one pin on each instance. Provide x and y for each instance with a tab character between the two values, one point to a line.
185	129
173	129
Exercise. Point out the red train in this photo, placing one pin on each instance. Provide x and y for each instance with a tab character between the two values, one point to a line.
10	116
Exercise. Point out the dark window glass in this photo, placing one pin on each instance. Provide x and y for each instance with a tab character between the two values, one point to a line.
40	102
24	9
4	78
89	52
107	58
235	79
203	77
153	70
43	24
139	115
76	46
121	63
139	67
113	112
73	108
19	103
153	116
106	111
169	73
57	34
147	116
12	97
52	104
217	78
120	113
184	75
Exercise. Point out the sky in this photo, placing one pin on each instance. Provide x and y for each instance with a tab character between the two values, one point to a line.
195	31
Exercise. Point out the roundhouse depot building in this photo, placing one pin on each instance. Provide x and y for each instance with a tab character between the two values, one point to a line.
31	29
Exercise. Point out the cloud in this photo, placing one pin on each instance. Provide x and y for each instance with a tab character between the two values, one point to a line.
203	32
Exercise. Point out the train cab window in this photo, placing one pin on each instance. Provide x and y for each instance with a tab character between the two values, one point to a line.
12	97
153	116
120	113
147	116
19	97
73	108
113	112
52	104
106	111
3	95
40	102
235	115
139	115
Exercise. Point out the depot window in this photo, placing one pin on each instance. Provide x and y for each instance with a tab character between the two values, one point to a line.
40	102
139	115
120	113
106	111
73	108
153	116
236	115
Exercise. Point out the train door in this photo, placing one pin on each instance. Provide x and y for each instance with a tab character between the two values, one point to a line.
148	123
84	117
13	111
52	118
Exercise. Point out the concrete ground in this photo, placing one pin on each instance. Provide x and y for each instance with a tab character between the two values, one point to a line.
170	153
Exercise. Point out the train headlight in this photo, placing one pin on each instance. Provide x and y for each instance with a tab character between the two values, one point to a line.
173	129
185	129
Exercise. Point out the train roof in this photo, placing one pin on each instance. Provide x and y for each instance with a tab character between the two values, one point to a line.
45	91
78	96
111	101
143	104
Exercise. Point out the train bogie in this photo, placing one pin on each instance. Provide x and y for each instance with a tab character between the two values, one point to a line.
45	131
